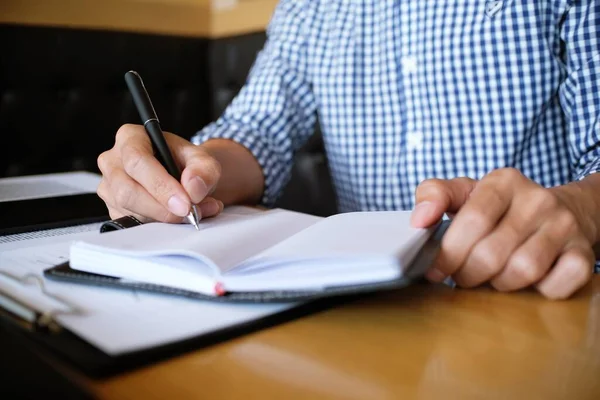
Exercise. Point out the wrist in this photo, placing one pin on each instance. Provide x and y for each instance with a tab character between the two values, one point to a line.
581	198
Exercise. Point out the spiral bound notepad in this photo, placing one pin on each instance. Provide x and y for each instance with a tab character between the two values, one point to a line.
50	233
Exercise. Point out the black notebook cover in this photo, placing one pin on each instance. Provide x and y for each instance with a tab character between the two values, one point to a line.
67	347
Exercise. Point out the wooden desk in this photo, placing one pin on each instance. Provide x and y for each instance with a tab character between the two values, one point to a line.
424	342
195	18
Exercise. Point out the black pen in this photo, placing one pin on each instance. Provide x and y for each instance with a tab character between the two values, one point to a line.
152	126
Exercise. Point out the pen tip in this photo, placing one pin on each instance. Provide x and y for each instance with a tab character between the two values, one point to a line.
194	218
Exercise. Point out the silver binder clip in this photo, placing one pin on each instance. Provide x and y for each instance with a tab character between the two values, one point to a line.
24	315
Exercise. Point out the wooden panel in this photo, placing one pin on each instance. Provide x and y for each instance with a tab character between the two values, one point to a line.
246	16
422	342
195	18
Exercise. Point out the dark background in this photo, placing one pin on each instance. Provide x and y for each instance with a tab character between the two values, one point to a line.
63	98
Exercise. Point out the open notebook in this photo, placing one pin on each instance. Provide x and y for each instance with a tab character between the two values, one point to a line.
244	250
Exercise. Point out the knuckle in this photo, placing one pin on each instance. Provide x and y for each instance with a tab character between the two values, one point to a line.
566	222
525	268
508	174
430	185
497	195
133	160
579	267
464	180
476	217
101	190
544	200
486	260
124	132
123	196
102	162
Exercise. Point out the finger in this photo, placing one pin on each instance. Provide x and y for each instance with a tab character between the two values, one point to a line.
210	207
475	220
104	162
103	191
529	263
128	195
571	272
490	255
115	213
201	172
434	197
141	165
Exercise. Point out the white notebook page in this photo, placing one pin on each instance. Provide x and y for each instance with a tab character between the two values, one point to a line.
226	241
345	249
117	321
349	236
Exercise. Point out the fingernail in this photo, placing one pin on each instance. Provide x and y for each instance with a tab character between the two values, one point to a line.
435	275
209	208
197	189
178	206
422	214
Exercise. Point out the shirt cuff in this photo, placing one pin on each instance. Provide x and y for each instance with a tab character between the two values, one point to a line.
591	168
275	170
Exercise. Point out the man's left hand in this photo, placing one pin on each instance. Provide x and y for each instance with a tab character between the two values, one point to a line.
509	232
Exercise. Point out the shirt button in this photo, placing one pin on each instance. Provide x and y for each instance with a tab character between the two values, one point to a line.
409	64
414	140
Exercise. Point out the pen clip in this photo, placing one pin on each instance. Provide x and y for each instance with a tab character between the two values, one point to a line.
140	97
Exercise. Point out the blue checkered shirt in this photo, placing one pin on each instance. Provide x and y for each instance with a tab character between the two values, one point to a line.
407	90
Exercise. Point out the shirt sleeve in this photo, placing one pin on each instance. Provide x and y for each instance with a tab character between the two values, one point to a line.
580	92
275	111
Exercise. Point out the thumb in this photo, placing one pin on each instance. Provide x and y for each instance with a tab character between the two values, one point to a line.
434	197
200	171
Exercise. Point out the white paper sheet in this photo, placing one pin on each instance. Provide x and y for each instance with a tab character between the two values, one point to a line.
116	320
222	243
352	235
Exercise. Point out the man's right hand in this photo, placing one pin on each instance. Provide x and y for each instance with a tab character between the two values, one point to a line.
135	183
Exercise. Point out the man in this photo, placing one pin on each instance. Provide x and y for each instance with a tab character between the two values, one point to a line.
485	110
